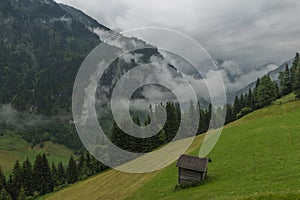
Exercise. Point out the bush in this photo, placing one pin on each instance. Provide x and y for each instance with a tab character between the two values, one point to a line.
244	112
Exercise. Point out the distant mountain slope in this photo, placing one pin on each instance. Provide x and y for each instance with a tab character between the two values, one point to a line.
83	18
274	74
43	44
256	157
42	47
13	148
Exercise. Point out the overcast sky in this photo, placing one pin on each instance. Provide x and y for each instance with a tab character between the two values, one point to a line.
244	33
250	32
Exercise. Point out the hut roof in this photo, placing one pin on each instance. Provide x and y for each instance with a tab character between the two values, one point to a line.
193	163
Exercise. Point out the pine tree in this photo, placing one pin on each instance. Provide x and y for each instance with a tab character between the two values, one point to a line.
47	176
4	195
285	82
293	73
229	114
37	173
16	181
178	112
266	92
193	123
116	135
297	82
42	175
10	185
277	90
2	180
27	172
237	106
255	97
61	174
171	125
55	176
249	100
72	173
202	126
242	101
208	116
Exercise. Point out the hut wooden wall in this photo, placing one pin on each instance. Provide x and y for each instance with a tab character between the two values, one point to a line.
188	176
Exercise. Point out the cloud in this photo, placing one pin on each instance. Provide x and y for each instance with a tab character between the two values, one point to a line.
11	117
129	57
235	78
251	33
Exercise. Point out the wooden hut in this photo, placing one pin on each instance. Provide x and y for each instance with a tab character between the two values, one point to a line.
192	169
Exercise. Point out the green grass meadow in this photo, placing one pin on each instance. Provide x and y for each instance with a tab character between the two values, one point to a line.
13	147
257	157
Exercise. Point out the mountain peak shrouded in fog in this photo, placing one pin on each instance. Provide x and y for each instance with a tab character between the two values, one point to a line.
44	44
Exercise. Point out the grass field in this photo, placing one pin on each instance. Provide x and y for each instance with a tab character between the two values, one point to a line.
257	157
13	147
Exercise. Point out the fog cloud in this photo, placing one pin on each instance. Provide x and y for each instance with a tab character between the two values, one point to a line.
251	33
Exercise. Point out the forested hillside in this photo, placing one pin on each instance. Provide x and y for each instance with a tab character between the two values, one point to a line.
42	48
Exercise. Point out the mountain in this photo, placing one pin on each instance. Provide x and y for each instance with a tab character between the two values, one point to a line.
43	44
274	74
253	159
42	47
83	18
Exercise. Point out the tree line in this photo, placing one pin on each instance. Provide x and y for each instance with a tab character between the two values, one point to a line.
29	181
167	131
263	94
266	91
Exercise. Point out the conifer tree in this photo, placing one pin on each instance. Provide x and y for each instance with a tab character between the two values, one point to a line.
229	114
55	176
249	101
255	97
72	173
27	173
47	176
208	115
192	117
237	106
16	181
266	92
295	74
293	71
171	127
202	126
42	175
2	180
61	174
285	82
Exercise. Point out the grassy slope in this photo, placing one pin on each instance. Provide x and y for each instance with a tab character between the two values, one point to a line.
13	147
111	184
257	157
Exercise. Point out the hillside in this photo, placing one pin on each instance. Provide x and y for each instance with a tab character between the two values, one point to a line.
13	147
274	74
257	157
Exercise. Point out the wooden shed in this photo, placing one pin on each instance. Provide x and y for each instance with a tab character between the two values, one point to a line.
192	169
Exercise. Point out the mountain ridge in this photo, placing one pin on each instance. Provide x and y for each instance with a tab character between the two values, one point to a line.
274	74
